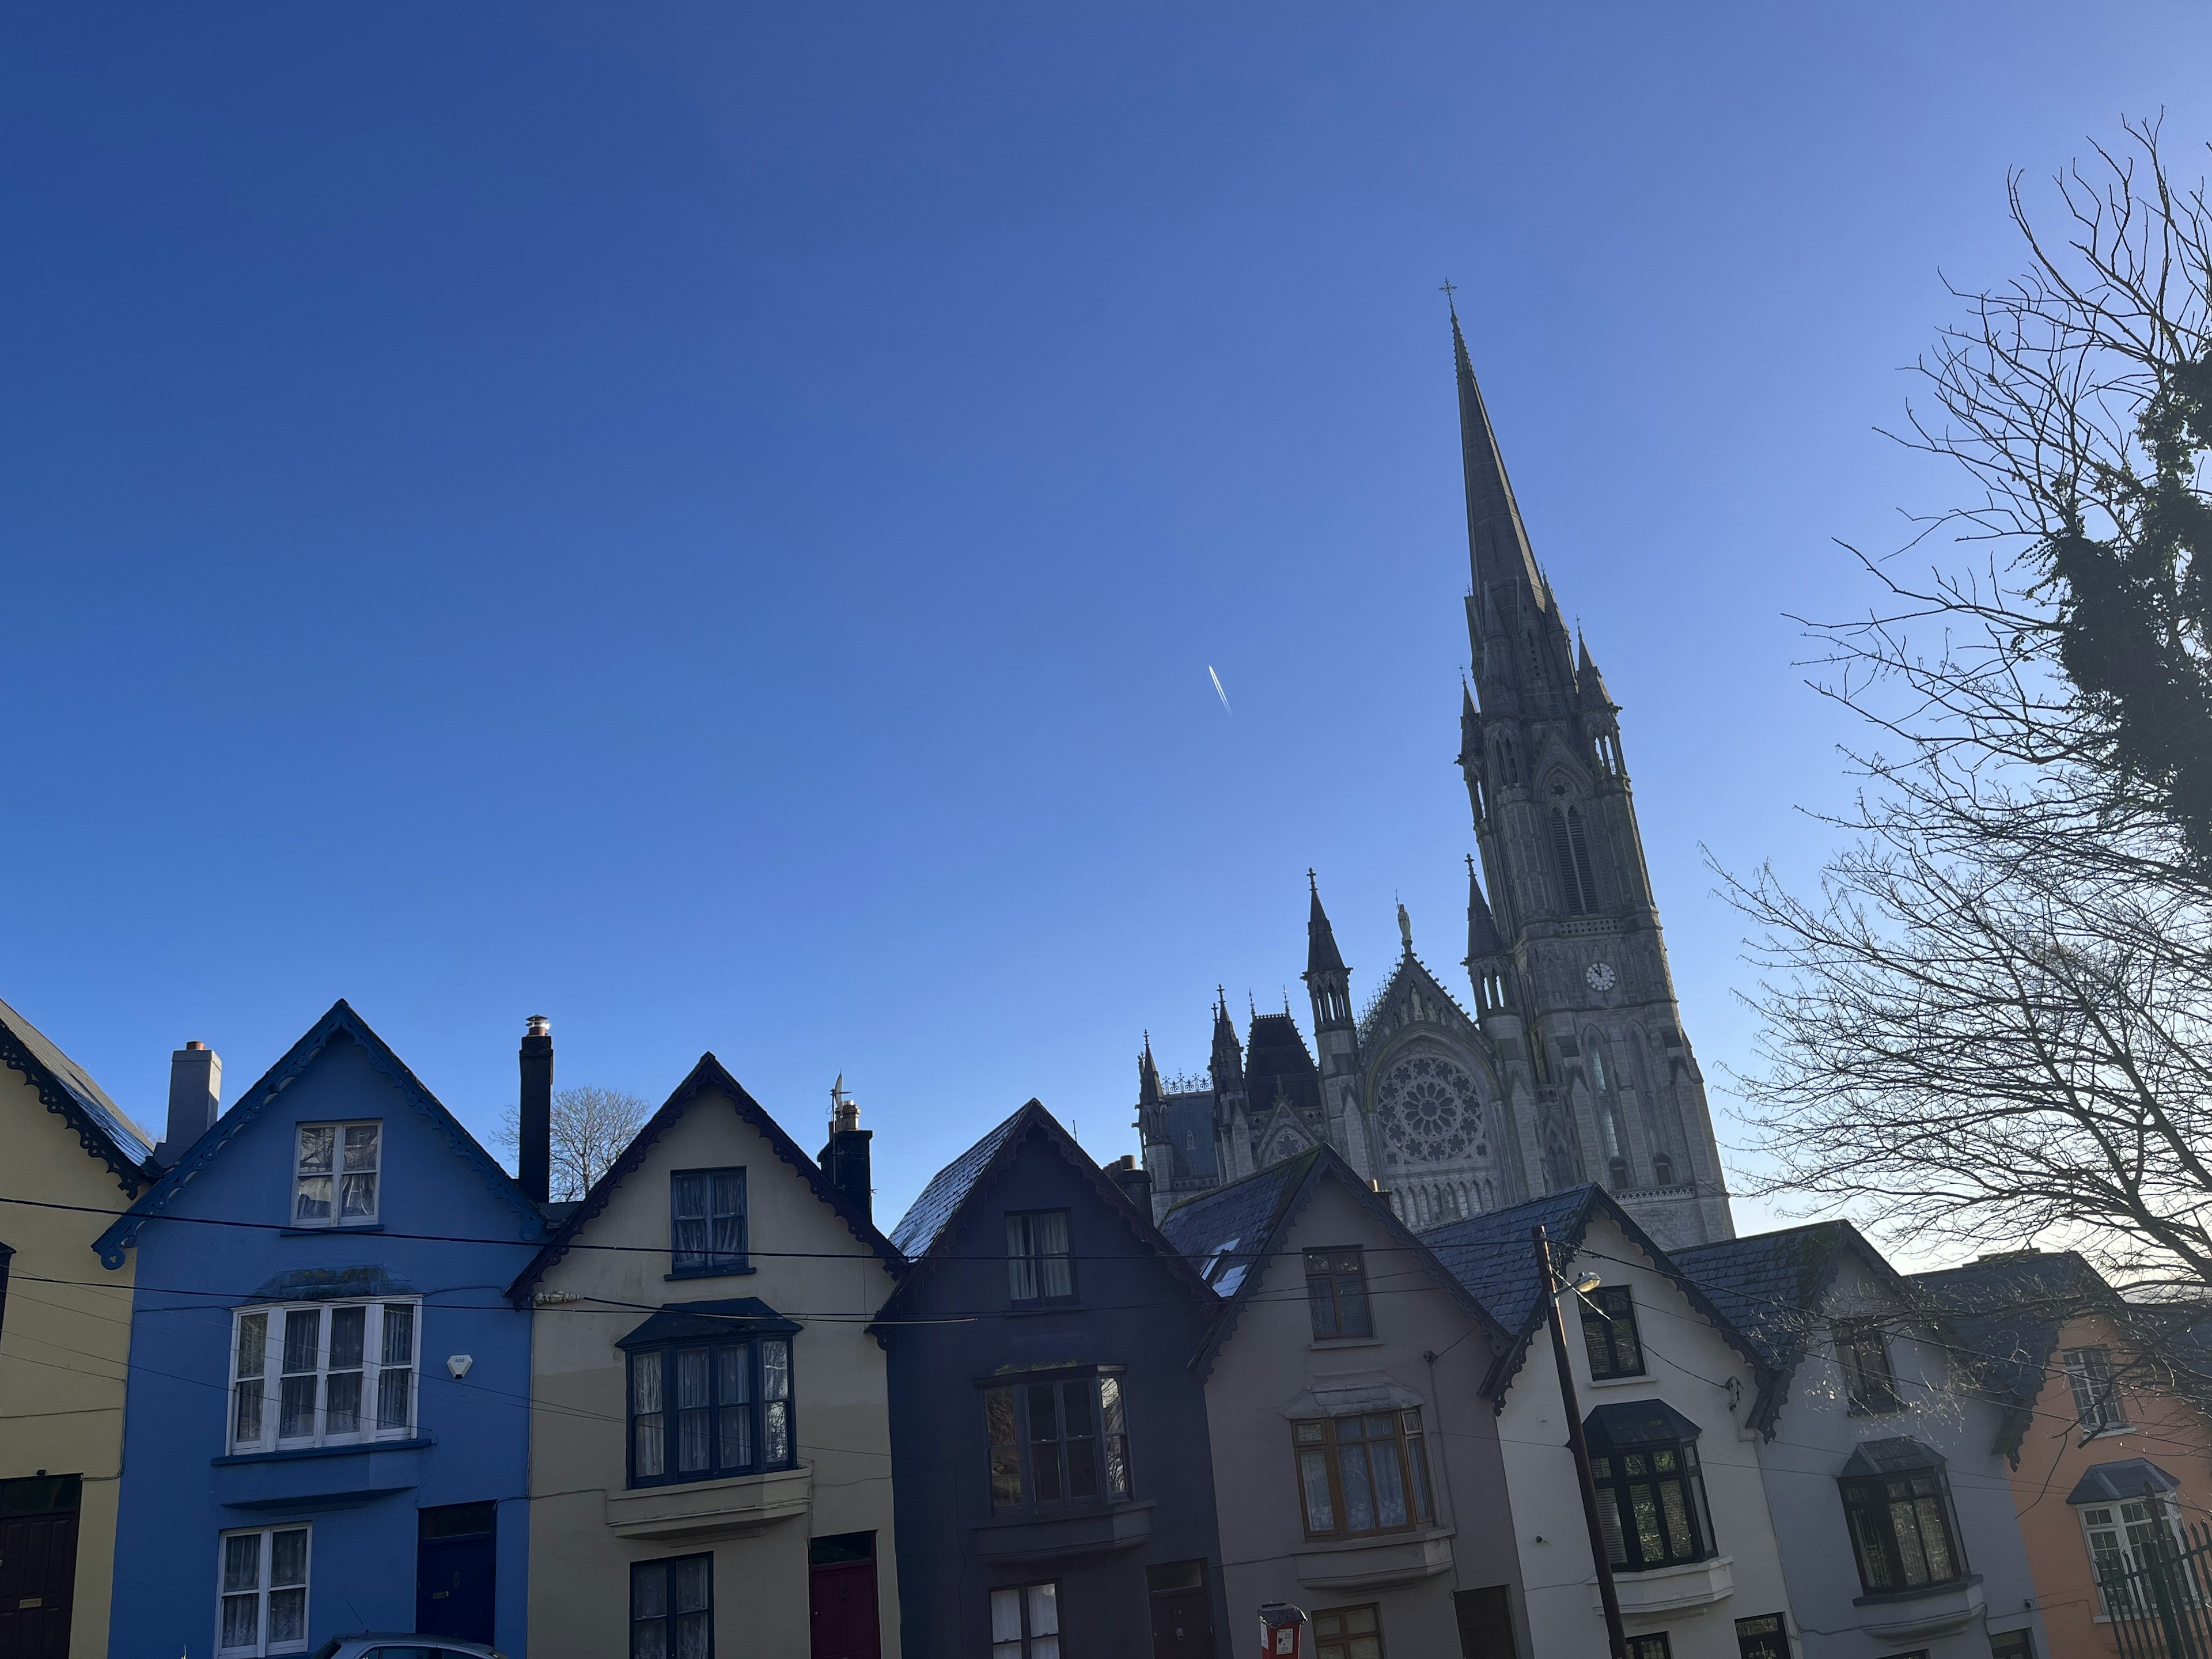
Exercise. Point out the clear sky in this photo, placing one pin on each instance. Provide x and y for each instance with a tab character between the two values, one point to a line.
711	523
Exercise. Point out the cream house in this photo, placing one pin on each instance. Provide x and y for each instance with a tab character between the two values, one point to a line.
69	1162
710	1449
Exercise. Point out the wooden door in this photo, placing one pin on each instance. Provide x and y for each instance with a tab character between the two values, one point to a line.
842	1595
37	1579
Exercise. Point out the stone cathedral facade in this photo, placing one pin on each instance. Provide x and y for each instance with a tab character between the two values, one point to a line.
1568	1063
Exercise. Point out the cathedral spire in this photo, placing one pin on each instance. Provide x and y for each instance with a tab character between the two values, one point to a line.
1148	1076
1589	684
1227	1064
1483	940
1322	954
1497	542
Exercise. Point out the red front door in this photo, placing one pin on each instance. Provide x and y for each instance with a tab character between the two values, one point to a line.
843	1597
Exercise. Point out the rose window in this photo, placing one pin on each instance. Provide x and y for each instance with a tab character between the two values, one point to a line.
1429	1110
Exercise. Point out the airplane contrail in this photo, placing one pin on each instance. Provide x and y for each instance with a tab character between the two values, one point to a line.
1218	691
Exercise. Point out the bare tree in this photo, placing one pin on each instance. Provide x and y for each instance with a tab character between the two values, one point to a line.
591	1127
1994	1023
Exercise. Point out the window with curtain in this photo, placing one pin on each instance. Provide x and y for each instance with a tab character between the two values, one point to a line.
1025	1622
326	1373
1650	1491
707	1221
1902	1529
1363	1474
264	1592
1039	1268
2096	1397
1336	1292
672	1608
699	1409
336	1171
1055	1443
1349	1632
1863	1351
1609	1332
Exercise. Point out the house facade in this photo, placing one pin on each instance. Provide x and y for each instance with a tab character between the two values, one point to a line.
710	1466
1056	1485
1668	1390
338	1438
2108	1427
1355	1452
69	1159
1885	1453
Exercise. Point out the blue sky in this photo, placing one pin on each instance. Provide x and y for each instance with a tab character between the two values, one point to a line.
711	524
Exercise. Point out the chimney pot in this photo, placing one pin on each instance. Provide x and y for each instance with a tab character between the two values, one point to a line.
844	1157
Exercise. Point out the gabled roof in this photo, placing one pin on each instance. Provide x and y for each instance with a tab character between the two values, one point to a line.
1494	1257
928	1225
2009	1307
69	1093
1773	1284
1235	1235
1411	967
340	1020
707	1075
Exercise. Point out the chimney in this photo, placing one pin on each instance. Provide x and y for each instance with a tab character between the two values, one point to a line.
1134	1180
195	1097
845	1158
536	1125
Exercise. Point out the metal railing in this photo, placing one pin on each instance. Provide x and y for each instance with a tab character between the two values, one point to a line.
2161	1604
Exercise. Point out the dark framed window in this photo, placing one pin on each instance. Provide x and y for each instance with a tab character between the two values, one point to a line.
707	1221
2012	1644
700	1410
1025	1622
1650	1493
1039	1268
1654	1646
1055	1441
1609	1332
2096	1398
672	1608
1349	1632
1869	1386
1902	1530
1336	1288
6	1256
1363	1474
1767	1637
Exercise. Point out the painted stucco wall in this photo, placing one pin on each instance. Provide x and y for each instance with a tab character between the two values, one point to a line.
179	1494
830	1282
1690	1366
1815	1436
1134	1311
66	1339
1271	1358
2161	1427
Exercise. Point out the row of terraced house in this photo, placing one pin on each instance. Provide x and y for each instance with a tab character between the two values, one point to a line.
317	1363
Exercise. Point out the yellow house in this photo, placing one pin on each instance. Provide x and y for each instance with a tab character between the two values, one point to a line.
710	1439
69	1162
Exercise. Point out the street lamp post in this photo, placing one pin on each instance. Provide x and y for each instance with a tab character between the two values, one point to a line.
1616	1639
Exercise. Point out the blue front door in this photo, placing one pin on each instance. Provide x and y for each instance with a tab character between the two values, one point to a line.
454	1563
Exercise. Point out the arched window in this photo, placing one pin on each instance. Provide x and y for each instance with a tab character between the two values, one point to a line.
1662	1170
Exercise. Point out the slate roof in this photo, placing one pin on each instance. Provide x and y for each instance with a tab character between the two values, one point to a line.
1190	1136
2130	1477
1771	1285
1233	1235
67	1089
2010	1309
930	1214
1493	1255
709	1074
1276	1061
341	1020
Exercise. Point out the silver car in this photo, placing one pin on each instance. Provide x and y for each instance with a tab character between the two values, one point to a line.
372	1644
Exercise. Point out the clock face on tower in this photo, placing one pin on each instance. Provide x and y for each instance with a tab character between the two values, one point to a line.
1600	976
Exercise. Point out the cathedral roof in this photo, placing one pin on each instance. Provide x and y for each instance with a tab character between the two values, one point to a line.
1277	1065
1190	1137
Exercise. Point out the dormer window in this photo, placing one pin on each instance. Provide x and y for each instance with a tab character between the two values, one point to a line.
337	1170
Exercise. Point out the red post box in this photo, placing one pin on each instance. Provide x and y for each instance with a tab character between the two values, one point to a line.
1282	1630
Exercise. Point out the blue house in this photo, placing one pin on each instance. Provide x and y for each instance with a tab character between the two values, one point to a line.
1052	1475
328	1429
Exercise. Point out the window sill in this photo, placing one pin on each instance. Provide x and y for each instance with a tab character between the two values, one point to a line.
334	1227
352	1448
735	1505
1031	1309
1369	1563
1092	1530
1651	1590
1935	1610
710	1273
1625	1380
1330	1344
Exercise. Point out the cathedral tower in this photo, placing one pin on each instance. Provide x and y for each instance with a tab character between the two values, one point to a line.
1564	951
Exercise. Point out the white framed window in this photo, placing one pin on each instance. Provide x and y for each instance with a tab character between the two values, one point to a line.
262	1598
336	1171
2096	1396
325	1373
2120	1537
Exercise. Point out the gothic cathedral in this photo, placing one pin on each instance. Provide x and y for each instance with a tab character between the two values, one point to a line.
1571	1065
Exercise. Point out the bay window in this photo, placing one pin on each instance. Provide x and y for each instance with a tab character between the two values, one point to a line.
1897	1501
1650	1491
327	1373
1063	1440
710	1392
1363	1473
